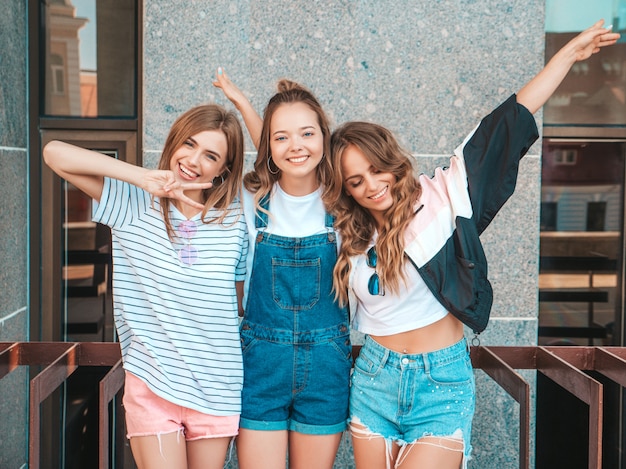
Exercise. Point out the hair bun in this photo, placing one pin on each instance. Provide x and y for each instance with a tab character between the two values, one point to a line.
284	85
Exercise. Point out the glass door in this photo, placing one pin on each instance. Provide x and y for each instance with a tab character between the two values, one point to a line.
87	303
581	267
581	254
77	283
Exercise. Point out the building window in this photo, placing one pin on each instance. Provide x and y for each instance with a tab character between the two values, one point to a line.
594	92
57	73
91	58
596	216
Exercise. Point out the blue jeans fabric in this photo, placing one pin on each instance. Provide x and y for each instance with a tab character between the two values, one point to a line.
295	338
406	397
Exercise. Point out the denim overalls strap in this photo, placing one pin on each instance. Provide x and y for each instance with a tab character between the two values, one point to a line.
290	298
261	218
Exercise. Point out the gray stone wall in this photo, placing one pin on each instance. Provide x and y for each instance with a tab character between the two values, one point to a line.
13	226
427	70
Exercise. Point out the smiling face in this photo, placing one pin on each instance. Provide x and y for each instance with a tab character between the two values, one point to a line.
368	186
296	146
201	158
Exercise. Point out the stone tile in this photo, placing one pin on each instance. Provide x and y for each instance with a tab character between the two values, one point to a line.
13	234
13	104
14	418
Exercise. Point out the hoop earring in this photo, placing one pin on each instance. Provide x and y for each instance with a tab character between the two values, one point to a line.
269	166
221	181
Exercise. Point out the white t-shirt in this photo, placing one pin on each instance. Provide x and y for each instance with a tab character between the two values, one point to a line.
412	307
290	216
177	324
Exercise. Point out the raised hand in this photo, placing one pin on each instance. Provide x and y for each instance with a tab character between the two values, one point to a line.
537	91
592	39
231	91
163	184
251	118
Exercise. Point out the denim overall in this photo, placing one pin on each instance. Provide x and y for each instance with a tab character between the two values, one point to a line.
295	338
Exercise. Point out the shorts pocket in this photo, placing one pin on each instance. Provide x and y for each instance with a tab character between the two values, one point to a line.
454	373
247	343
342	346
364	365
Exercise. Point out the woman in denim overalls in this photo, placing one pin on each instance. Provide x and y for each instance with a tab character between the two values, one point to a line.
295	337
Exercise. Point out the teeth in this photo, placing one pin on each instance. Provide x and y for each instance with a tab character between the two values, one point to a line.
380	194
298	160
187	172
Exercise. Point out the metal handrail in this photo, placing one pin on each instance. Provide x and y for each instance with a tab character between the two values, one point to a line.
60	360
565	365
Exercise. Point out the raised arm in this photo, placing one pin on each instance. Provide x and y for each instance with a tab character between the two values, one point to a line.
86	169
539	89
252	120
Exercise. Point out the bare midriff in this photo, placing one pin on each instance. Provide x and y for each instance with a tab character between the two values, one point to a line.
436	336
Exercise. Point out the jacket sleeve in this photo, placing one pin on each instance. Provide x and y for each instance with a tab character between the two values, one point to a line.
492	153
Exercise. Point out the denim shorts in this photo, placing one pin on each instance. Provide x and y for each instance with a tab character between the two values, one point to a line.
407	397
297	387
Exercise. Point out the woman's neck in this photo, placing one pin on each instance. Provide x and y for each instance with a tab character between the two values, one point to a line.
299	187
186	210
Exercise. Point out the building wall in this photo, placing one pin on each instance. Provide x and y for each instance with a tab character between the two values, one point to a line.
427	70
13	226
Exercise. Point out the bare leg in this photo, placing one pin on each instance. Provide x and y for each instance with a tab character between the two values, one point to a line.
432	453
370	450
313	451
262	449
165	451
207	453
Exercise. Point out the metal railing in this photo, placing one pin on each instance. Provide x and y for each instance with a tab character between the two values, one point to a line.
565	365
59	360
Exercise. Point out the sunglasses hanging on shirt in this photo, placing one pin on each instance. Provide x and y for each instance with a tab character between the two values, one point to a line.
188	254
374	283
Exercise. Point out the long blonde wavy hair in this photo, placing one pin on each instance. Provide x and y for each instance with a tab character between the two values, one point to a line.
261	180
192	122
355	224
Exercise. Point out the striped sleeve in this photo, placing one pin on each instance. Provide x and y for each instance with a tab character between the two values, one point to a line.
117	207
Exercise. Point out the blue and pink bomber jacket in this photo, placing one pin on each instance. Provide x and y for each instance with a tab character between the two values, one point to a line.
457	204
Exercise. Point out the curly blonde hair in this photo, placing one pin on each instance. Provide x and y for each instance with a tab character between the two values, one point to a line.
355	224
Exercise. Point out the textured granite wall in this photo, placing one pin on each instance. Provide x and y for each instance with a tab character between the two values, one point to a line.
427	70
13	226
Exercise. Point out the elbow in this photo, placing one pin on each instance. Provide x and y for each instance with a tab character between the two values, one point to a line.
523	100
531	109
50	150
